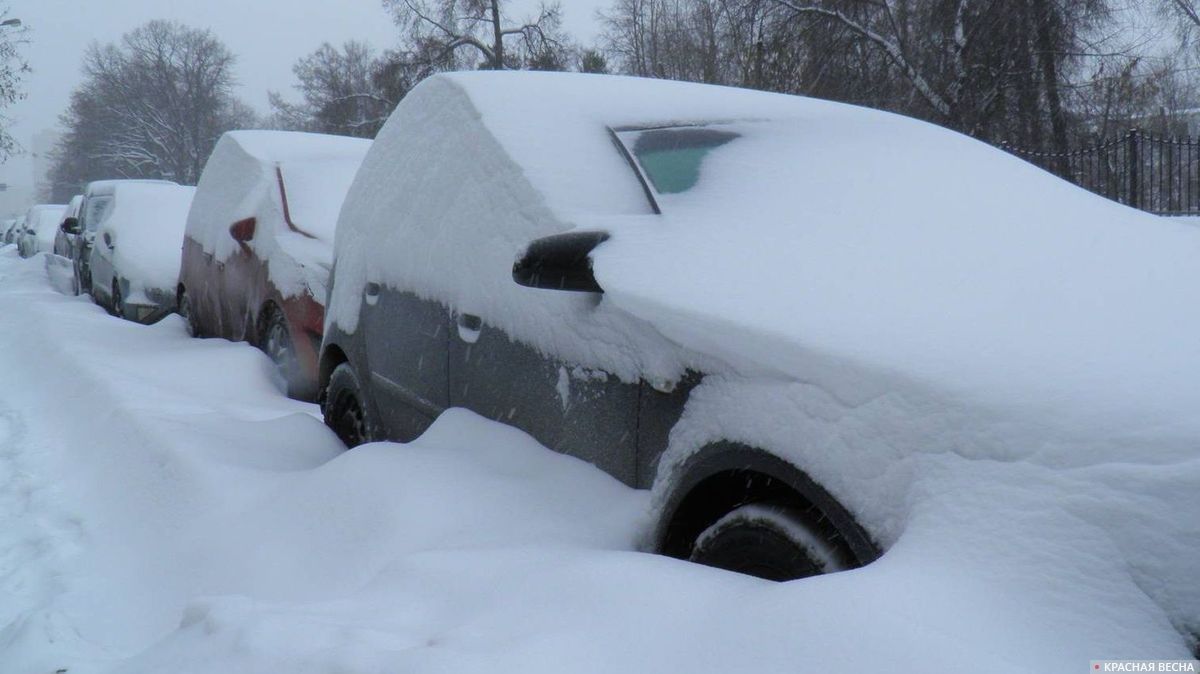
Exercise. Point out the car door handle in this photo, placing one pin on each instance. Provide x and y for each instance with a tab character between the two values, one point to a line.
371	292
469	326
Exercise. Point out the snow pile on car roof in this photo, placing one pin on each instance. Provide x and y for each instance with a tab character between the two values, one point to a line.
146	224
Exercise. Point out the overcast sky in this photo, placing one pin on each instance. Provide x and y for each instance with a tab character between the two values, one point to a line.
267	36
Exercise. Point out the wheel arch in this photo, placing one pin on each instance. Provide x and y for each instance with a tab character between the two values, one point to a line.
331	356
724	475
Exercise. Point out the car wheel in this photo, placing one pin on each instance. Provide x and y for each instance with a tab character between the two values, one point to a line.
276	341
118	302
343	408
771	541
187	313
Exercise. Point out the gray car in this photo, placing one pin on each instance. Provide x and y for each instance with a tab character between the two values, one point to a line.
427	312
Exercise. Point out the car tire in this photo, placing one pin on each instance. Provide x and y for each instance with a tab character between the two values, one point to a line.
768	540
275	339
118	302
188	314
344	408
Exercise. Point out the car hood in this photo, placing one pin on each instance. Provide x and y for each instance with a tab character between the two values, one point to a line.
872	256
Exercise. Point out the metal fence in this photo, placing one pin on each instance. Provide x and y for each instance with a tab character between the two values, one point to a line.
1152	172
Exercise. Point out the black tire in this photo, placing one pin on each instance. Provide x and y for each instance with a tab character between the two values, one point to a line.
344	408
118	302
275	339
187	313
770	541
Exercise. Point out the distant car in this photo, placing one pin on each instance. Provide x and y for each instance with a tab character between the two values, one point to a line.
64	241
259	244
8	230
98	202
41	222
134	262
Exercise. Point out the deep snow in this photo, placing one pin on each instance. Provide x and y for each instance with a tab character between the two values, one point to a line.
164	509
894	307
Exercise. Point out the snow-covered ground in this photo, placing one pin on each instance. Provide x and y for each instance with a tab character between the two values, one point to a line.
164	509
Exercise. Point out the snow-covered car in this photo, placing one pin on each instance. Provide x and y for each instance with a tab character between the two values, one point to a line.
41	222
134	262
63	240
791	319
259	244
99	198
8	230
424	313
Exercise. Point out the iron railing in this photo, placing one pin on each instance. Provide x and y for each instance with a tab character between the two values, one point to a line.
1155	173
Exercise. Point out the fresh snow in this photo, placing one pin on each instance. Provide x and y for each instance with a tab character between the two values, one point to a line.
164	509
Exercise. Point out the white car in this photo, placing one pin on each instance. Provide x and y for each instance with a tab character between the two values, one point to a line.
134	260
41	223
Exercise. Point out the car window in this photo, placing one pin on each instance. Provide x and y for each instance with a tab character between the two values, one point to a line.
671	158
96	211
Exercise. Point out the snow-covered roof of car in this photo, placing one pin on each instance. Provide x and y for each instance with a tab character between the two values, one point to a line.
108	185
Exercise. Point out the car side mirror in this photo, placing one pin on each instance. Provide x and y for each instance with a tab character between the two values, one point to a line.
110	239
70	226
243	230
560	262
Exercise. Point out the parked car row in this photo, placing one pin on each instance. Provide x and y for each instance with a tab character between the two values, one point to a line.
380	279
450	264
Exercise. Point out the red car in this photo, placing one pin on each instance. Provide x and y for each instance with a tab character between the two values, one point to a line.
259	244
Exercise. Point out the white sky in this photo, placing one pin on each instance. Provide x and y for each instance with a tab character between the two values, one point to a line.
267	36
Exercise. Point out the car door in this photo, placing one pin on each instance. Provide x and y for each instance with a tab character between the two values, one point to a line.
586	413
100	263
407	340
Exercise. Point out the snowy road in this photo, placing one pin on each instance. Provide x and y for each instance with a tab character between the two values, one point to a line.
164	509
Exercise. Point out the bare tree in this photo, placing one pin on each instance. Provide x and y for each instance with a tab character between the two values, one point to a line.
344	92
12	70
152	105
455	34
